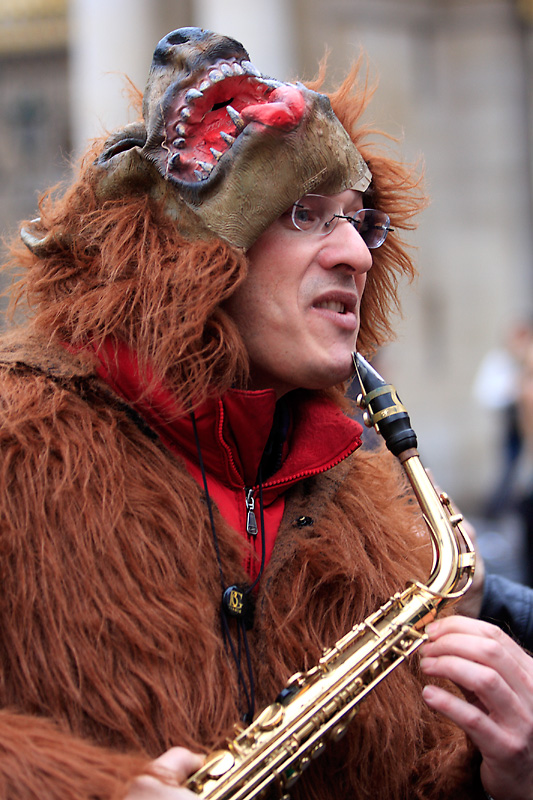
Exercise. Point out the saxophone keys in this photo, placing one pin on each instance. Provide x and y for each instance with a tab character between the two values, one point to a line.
218	763
296	680
467	560
270	718
305	762
339	730
238	728
317	750
291	777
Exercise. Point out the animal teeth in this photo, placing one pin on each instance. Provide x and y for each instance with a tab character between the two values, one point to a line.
250	68
179	143
236	118
205	166
199	175
227	137
193	94
180	130
272	83
216	153
174	161
227	69
215	76
237	69
204	85
185	114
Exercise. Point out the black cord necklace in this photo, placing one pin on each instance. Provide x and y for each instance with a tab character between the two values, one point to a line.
237	599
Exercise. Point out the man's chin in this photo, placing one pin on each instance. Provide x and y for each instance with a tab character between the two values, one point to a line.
334	375
342	369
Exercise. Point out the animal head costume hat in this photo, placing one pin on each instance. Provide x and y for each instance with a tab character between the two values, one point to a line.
150	240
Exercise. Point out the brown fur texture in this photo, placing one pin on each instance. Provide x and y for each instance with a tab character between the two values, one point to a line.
128	273
109	610
110	640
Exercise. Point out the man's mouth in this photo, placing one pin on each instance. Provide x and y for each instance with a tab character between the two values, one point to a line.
208	117
336	306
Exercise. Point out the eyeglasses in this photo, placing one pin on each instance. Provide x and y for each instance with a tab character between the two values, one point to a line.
315	213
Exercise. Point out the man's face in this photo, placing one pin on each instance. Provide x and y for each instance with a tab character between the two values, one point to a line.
298	308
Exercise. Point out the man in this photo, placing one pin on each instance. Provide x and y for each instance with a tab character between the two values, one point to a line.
187	516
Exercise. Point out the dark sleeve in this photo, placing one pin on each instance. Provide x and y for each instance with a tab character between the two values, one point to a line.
510	606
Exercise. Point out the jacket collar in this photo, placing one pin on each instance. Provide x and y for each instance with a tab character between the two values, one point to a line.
233	430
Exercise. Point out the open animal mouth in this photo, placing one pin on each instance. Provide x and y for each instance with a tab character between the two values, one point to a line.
206	119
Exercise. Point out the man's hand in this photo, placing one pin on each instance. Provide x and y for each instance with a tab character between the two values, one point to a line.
174	767
497	712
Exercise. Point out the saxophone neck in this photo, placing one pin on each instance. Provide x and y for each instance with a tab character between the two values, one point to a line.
454	557
453	566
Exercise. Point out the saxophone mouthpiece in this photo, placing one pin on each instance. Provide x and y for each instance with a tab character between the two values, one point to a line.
383	408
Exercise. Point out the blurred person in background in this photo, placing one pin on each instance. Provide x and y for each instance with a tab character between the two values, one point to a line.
524	492
496	389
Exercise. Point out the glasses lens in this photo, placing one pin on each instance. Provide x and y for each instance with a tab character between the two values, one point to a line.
372	226
314	213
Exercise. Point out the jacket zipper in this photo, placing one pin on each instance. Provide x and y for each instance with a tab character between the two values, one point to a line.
251	521
249	500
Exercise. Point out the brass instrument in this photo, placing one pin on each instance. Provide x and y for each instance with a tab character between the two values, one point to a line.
316	706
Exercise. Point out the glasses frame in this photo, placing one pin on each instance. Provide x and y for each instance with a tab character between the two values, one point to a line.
379	220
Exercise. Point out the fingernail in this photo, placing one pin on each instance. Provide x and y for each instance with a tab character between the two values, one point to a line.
431	628
428	692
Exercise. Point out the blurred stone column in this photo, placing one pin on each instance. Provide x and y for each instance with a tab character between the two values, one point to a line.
264	27
526	43
108	39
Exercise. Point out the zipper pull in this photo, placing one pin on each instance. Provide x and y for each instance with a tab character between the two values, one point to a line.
251	522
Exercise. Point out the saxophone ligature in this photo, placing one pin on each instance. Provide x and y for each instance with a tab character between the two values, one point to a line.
316	707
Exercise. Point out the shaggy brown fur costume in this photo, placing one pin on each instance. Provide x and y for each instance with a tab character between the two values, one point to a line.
110	641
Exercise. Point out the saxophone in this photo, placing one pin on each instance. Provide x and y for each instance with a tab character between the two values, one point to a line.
316	706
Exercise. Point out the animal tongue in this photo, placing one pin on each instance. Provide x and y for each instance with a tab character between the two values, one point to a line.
284	109
207	127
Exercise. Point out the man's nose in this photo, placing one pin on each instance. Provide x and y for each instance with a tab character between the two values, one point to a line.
345	247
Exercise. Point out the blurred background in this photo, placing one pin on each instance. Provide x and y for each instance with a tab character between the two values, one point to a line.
455	88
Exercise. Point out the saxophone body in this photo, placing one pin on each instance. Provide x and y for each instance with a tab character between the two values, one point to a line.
316	707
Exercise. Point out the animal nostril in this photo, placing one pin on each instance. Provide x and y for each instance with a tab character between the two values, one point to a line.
163	53
177	38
